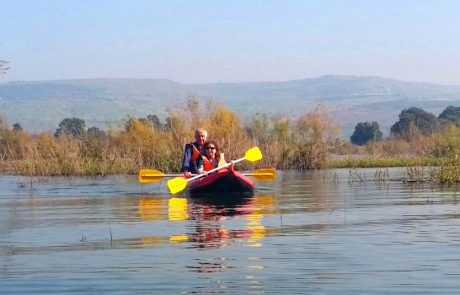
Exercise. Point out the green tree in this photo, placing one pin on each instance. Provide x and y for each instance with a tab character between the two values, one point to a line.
17	127
282	129
155	121
450	115
95	132
131	123
74	127
365	132
259	129
417	118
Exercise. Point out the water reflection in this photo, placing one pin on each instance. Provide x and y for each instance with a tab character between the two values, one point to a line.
263	205
202	266
151	208
177	209
207	219
211	226
313	234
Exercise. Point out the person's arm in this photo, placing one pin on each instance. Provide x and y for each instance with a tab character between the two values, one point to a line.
186	161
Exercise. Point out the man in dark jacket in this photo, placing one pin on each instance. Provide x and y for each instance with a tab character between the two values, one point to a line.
192	151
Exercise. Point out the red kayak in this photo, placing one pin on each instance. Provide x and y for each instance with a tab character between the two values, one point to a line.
223	181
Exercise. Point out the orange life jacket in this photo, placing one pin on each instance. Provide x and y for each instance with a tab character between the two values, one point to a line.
207	165
195	152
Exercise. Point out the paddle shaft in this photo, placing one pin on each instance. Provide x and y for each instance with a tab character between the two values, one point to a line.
179	174
215	169
161	175
258	174
178	184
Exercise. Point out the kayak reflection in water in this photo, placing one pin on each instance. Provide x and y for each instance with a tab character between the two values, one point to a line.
209	220
210	232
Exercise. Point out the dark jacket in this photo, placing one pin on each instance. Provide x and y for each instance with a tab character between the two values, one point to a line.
191	154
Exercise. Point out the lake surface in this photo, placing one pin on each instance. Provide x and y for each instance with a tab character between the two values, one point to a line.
315	232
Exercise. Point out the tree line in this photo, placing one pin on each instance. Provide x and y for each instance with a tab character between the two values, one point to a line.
411	122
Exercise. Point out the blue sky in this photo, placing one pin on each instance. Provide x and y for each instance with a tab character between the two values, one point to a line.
230	41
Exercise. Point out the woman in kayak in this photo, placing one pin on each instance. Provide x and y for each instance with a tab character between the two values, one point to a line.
211	157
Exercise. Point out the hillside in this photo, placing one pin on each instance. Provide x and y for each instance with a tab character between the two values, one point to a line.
41	105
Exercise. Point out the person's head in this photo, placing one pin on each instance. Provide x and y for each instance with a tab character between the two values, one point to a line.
200	136
211	150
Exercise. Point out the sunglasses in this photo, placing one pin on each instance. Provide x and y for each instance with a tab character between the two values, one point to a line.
210	148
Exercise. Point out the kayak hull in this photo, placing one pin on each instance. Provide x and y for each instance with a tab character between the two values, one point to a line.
221	183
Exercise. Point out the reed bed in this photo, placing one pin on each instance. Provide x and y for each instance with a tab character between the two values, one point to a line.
381	162
306	142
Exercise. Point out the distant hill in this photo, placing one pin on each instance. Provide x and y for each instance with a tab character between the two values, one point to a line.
41	105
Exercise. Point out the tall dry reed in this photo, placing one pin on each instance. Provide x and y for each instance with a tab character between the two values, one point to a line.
305	142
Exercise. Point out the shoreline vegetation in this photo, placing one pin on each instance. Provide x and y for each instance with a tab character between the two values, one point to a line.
310	141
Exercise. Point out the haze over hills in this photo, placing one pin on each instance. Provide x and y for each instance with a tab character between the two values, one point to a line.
41	105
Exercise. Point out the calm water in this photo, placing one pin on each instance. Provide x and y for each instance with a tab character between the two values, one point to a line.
312	232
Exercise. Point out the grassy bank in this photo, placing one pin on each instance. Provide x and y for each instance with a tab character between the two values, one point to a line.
381	162
306	142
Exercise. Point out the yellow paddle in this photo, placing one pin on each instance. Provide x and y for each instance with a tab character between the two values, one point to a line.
154	176
178	184
266	174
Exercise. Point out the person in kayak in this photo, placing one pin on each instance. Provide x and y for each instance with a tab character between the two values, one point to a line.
211	157
192	152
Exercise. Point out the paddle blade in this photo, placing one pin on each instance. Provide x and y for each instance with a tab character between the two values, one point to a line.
150	175
253	154
176	185
267	174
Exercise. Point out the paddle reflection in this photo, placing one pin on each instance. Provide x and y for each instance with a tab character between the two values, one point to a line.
208	219
177	209
263	205
151	208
